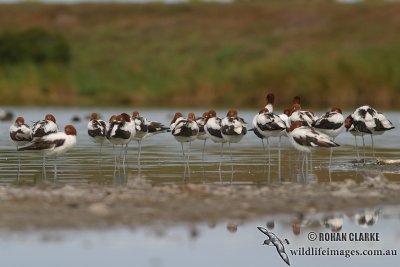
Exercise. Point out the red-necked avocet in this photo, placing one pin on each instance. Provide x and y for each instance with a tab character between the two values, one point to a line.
53	144
20	134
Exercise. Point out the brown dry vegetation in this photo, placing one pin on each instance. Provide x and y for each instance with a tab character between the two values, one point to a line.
211	54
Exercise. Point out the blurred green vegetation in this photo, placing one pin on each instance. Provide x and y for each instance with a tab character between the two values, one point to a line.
203	55
32	45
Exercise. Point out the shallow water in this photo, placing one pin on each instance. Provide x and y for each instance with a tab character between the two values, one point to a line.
233	243
161	159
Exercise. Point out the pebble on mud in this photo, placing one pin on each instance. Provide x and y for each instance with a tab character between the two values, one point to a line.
99	209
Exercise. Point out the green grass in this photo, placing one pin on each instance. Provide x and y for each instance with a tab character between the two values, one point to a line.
208	55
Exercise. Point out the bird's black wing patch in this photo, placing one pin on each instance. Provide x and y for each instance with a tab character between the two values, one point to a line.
326	124
228	130
101	126
155	127
361	127
362	113
19	135
379	126
39	132
96	132
214	132
188	131
371	111
257	133
273	126
119	133
39	144
302	141
309	140
201	128
143	127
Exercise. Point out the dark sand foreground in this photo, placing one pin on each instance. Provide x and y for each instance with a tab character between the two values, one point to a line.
141	204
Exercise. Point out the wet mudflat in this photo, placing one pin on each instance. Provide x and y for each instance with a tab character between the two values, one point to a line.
140	204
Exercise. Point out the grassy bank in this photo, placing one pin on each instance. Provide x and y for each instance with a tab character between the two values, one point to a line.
210	54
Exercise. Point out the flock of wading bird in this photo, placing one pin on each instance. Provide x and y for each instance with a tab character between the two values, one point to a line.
304	130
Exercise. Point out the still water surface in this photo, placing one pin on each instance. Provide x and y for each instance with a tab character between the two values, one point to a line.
233	243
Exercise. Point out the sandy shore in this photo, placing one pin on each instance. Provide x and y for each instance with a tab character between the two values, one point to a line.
140	204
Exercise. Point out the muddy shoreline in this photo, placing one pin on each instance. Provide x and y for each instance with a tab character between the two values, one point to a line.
140	204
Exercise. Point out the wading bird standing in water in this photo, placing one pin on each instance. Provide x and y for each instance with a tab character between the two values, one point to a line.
348	124
53	144
144	129
297	114
185	131
268	124
120	132
20	134
97	131
367	120
304	138
233	129
213	131
201	121
44	127
331	124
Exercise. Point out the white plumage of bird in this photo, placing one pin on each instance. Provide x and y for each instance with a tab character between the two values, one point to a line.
45	127
233	127
269	124
97	129
297	114
304	138
213	131
20	134
54	144
120	132
201	121
331	123
213	127
144	129
368	120
185	131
